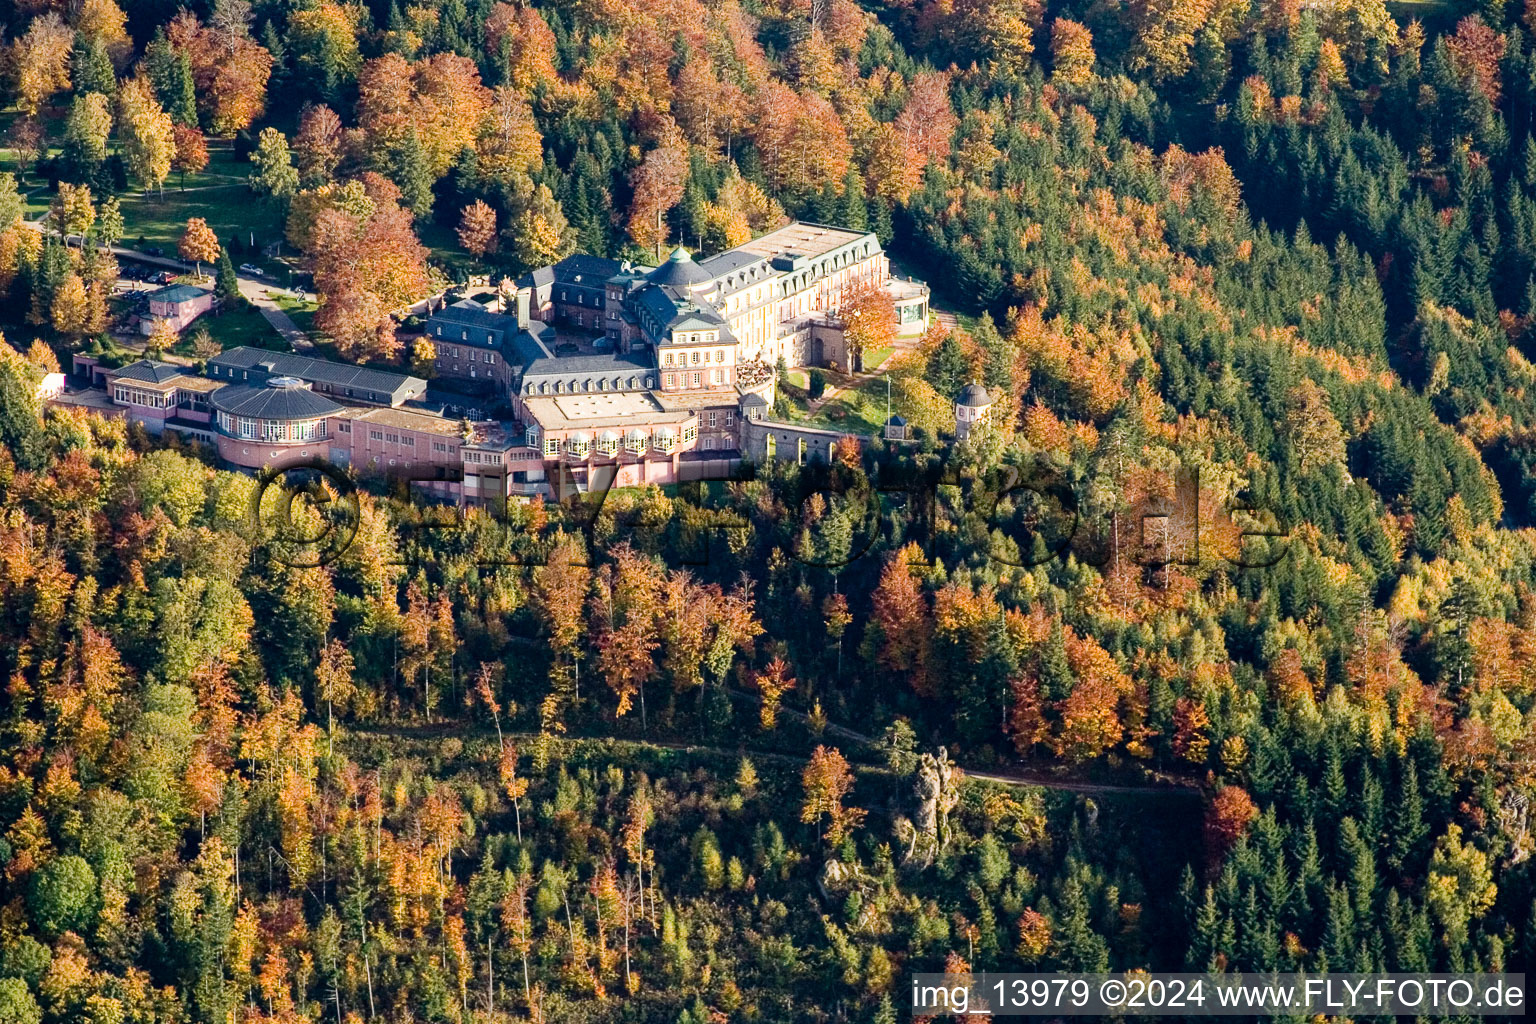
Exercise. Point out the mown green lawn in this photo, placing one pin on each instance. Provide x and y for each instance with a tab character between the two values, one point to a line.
301	311
157	220
860	410
875	356
232	329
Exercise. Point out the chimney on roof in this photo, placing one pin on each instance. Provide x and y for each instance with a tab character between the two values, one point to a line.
267	366
524	295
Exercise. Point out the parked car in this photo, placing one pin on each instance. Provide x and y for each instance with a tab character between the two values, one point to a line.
250	268
154	250
164	277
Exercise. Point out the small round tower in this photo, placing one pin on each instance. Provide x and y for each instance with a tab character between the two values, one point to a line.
973	410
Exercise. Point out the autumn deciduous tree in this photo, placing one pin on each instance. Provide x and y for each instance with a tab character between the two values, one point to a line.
318	146
868	314
1226	819
658	184
827	780
1072	53
39	60
230	69
162	337
1314	431
508	142
25	138
191	151
901	615
72	211
365	268
539	233
199	244
147	133
304	212
772	683
440	99
518	38
928	121
477	228
625	607
70	310
1475	51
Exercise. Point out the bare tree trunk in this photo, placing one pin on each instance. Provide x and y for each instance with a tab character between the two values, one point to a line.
490	979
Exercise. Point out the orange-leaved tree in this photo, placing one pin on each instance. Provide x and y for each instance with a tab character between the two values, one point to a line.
827	780
198	244
366	267
477	228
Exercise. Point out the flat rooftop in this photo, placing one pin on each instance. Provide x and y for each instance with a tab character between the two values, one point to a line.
88	398
188	383
405	419
604	409
802	239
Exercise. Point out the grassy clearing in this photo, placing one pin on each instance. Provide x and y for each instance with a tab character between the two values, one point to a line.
301	311
876	356
234	214
232	329
859	410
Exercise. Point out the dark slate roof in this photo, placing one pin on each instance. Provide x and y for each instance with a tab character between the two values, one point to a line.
596	362
151	371
666	309
896	420
679	271
525	349
280	398
288	364
479	320
588	373
592	270
657	304
177	293
732	259
753	400
974	396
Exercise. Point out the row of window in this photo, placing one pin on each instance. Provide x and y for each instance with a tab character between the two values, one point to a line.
692	380
380	435
271	430
544	387
470	355
490	339
634	442
144	399
693	358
